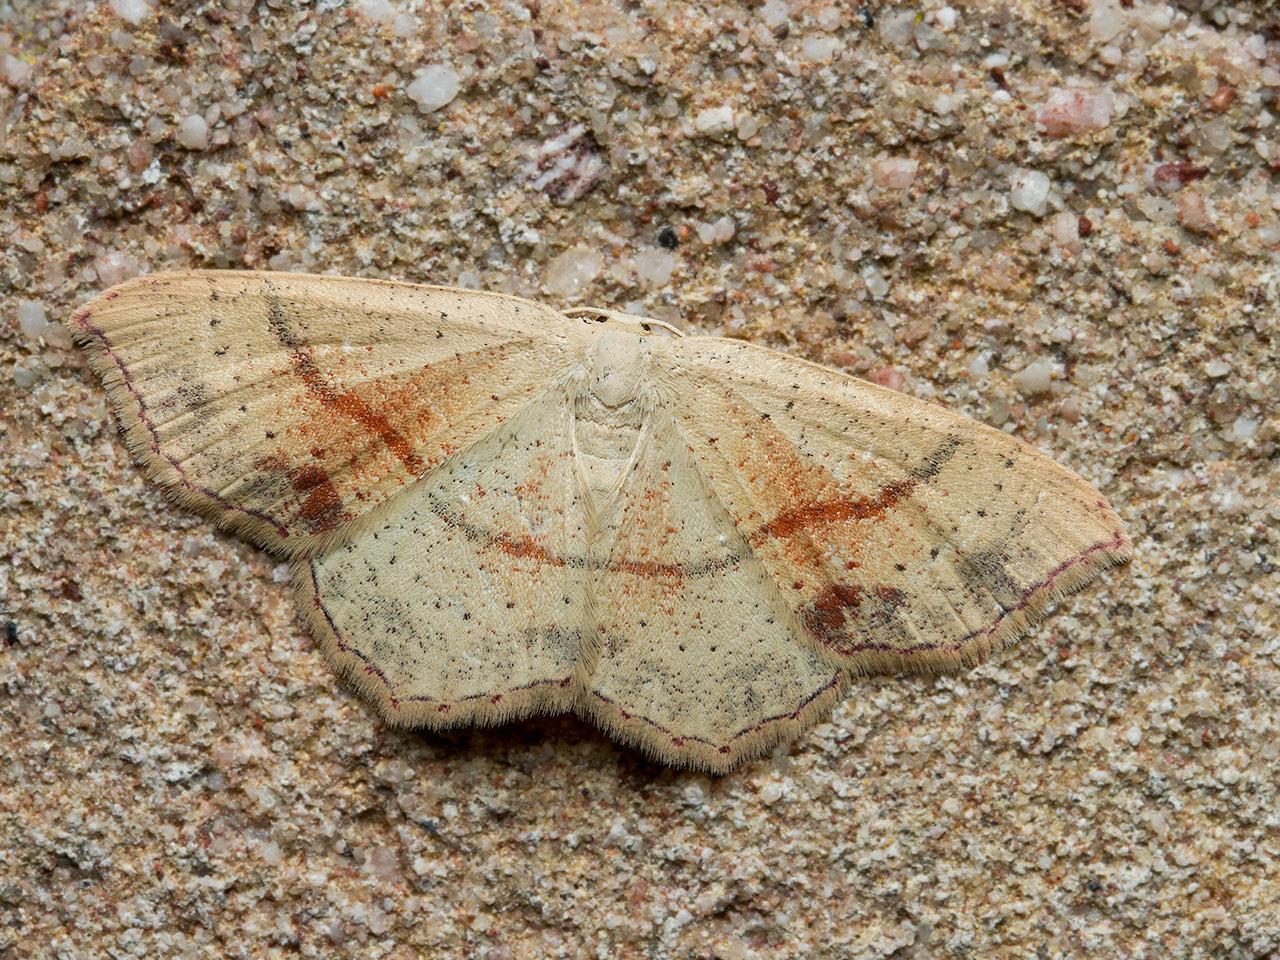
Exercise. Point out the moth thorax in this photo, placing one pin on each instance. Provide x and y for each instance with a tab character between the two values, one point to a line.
617	366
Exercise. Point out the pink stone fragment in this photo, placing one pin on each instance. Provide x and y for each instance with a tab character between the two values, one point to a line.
894	173
889	377
1072	110
1065	227
1193	212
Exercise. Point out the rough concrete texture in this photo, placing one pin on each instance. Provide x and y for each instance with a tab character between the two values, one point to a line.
1060	217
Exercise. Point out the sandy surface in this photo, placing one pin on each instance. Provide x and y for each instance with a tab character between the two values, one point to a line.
1058	217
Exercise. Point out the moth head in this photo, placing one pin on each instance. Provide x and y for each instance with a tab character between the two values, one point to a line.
618	359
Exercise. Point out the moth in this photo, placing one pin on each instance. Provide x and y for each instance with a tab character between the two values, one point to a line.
495	509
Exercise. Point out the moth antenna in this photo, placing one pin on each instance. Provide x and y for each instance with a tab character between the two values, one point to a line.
602	315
